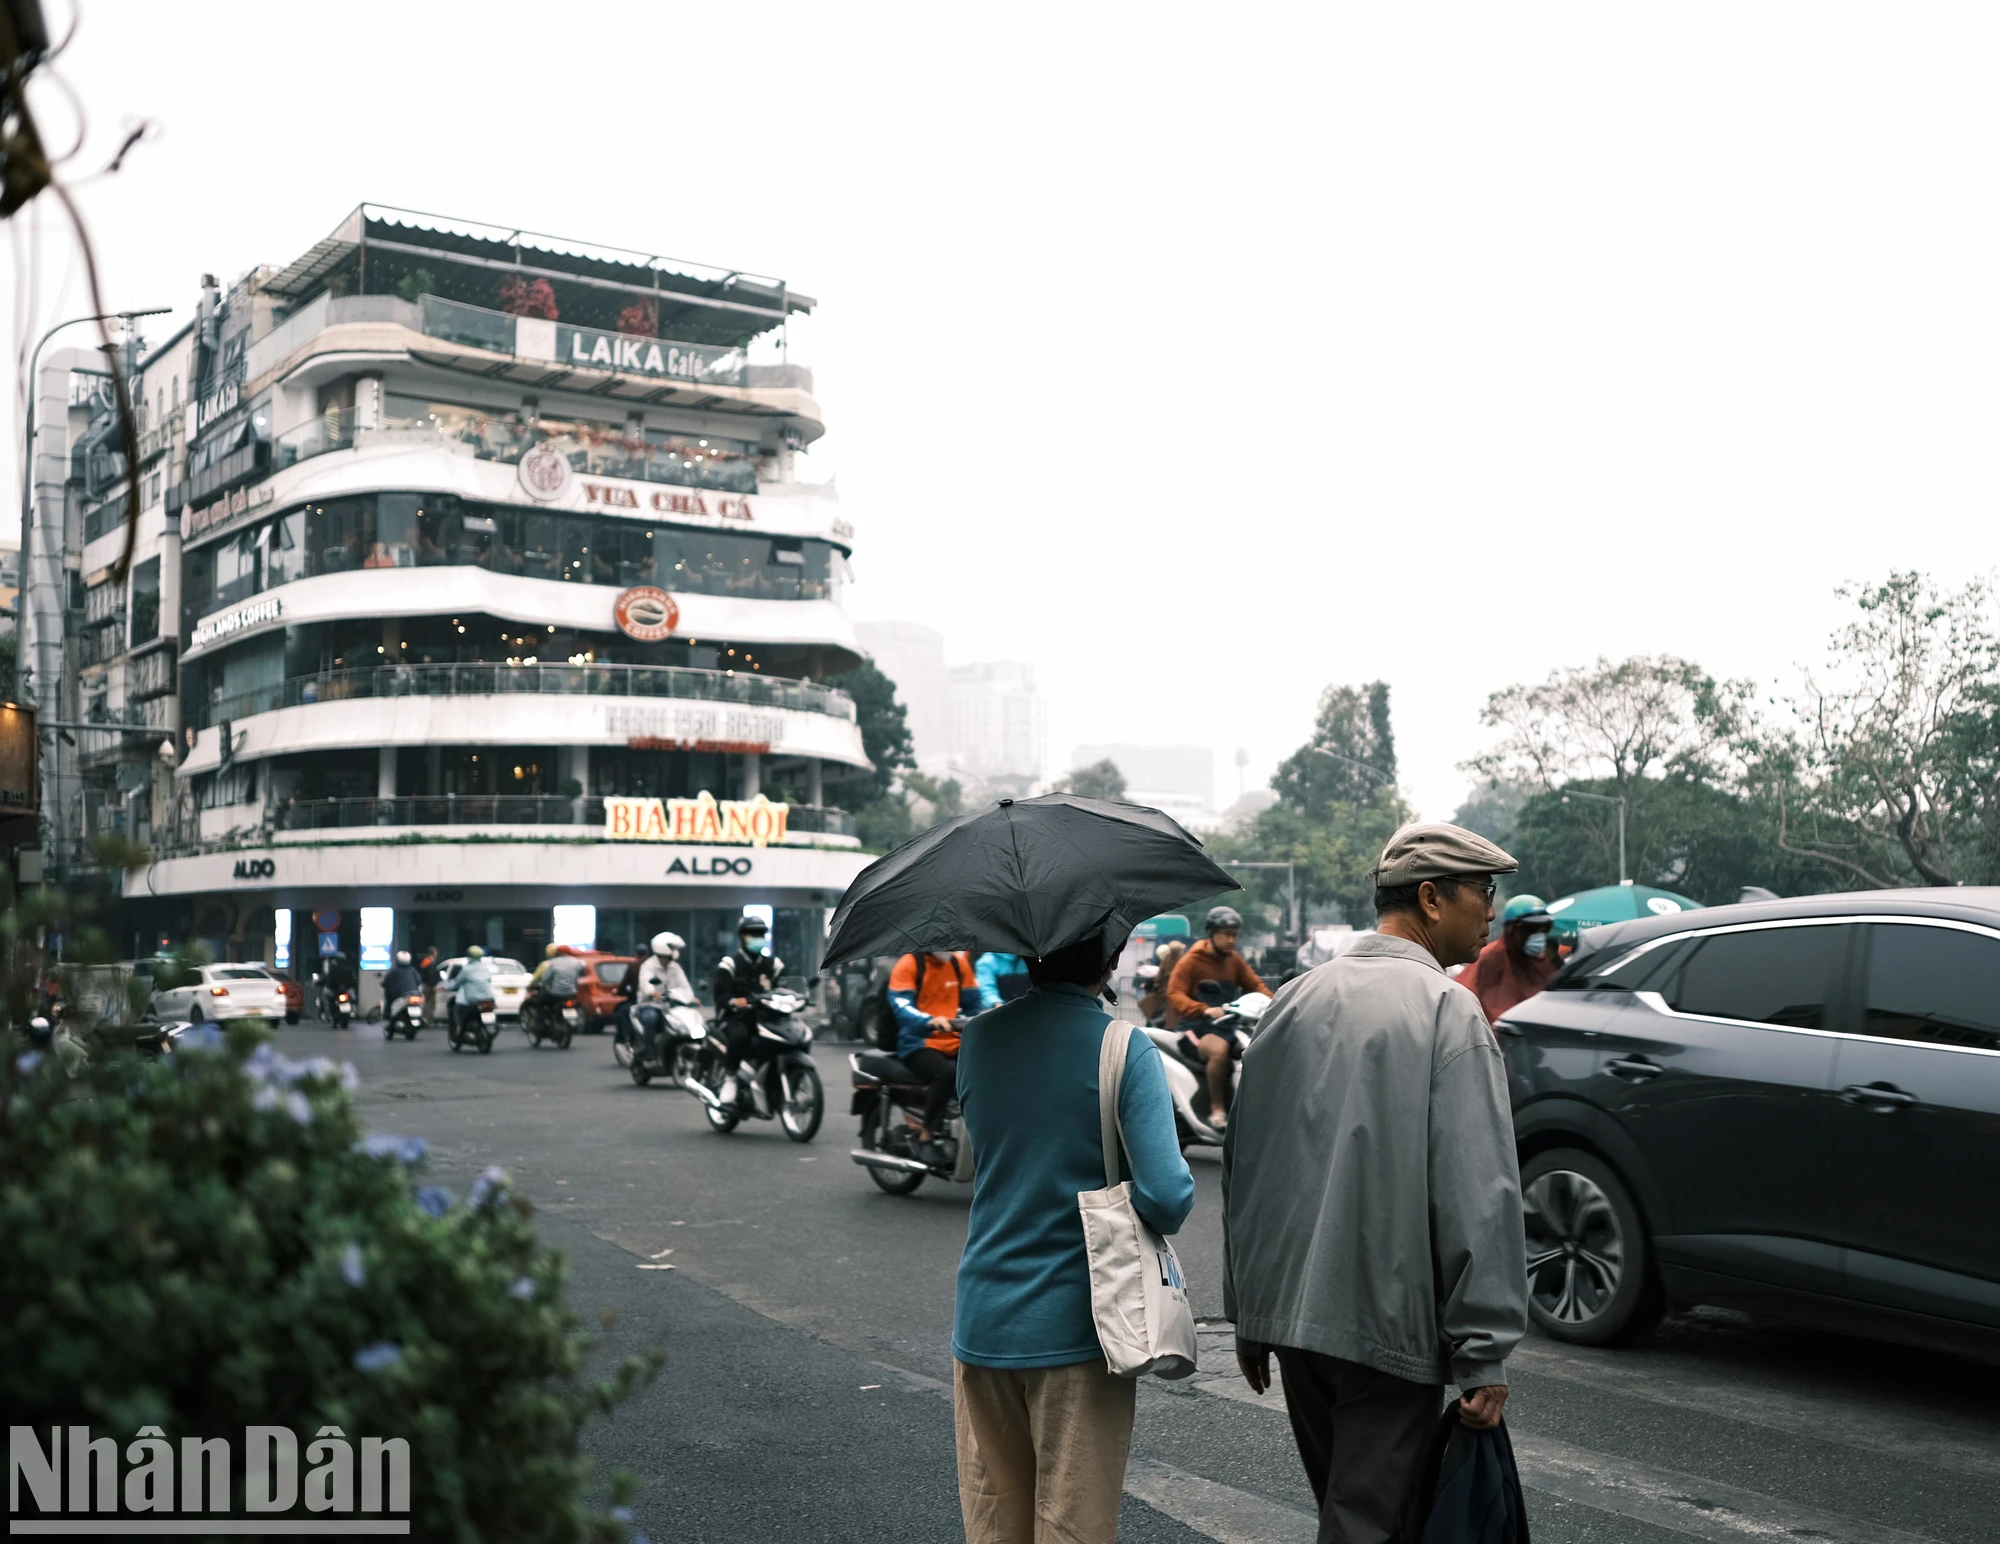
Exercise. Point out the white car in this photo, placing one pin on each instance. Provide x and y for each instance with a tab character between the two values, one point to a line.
223	992
510	985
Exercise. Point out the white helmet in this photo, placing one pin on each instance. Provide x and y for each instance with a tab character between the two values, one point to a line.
668	946
402	956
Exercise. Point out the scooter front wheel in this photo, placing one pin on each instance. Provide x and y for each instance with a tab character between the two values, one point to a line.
804	1101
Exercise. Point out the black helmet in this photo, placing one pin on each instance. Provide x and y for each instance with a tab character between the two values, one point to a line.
1220	917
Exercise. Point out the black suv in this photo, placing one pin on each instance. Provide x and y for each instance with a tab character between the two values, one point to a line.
1788	1107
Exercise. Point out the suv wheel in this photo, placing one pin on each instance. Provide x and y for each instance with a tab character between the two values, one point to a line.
1590	1264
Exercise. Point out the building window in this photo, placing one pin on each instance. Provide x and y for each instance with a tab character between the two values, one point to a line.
146	601
236	786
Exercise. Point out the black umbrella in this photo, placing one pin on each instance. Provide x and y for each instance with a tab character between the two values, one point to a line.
1027	877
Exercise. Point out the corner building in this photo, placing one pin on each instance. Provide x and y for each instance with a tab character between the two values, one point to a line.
500	593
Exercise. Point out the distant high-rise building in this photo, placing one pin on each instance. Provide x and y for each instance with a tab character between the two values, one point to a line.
1183	769
912	656
999	722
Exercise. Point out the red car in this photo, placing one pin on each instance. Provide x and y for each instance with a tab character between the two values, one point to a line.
295	997
597	989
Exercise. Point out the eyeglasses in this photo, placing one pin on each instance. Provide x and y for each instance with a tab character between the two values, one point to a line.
1483	888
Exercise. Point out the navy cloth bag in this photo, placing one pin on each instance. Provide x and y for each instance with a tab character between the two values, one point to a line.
1467	1489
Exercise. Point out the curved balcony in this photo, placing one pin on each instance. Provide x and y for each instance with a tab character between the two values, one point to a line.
579	815
681	682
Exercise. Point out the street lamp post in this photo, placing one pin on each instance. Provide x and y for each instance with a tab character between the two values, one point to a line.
21	597
1291	890
1368	767
1605	798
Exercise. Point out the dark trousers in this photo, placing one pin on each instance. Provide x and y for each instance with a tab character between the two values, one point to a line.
738	1030
940	1070
1361	1435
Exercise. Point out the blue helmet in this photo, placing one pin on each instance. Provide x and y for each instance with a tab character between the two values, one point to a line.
1522	906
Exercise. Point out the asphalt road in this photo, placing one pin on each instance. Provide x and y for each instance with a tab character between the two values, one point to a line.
808	1318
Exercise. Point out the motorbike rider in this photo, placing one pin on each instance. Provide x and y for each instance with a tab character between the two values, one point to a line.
751	969
660	983
1214	958
400	980
473	987
926	994
1517	964
1002	978
553	983
337	977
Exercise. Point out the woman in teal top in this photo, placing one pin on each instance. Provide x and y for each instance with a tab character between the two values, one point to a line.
1043	1426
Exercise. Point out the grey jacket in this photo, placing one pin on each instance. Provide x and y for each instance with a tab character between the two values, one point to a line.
1371	1199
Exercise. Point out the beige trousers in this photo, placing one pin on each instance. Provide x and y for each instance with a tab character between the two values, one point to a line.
1041	1452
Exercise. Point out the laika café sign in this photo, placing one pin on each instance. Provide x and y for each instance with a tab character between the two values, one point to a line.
595	350
347	1488
743	822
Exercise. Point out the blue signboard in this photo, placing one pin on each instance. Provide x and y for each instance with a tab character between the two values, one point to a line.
329	945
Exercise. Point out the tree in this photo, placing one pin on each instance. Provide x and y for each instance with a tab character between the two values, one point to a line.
1641	730
877	799
1492	808
1889	772
885	727
1099	780
1334	813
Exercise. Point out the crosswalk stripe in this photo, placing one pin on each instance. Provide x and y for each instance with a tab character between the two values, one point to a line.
1224	1513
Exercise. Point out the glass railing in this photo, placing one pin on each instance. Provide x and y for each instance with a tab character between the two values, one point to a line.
502	809
487	680
592	450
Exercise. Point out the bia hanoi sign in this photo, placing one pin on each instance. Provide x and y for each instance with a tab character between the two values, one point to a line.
751	822
646	612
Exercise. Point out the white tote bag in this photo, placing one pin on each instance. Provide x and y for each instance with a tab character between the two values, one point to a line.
1137	1294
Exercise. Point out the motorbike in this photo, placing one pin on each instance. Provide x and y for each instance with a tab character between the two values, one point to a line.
679	1032
777	1078
1187	1073
474	1024
337	1006
550	1018
405	1017
157	1040
886	1093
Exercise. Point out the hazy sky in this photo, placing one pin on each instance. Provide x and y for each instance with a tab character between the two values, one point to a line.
1207	355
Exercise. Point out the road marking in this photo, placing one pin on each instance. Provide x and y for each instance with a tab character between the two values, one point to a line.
1666	1498
1224	1513
647	1265
1639	1377
1685	1503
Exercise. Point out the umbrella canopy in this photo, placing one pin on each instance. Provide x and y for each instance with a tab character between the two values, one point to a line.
1027	877
1617	903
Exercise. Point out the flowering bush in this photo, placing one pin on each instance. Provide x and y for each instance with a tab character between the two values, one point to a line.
210	1241
518	297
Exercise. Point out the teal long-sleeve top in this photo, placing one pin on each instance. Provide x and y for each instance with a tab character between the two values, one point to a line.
1027	1086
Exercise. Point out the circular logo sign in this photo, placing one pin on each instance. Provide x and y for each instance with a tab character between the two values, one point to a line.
647	613
545	472
1659	905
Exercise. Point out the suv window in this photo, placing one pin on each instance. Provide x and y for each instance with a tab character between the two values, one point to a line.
1936	984
1779	975
1617	970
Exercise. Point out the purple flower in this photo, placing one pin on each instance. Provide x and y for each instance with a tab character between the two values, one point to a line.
266	1098
351	1266
349	1078
28	1061
489	1188
378	1356
298	1109
381	1144
201	1037
621	1514
435	1200
522	1290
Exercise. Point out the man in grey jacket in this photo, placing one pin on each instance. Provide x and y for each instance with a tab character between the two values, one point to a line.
1371	1199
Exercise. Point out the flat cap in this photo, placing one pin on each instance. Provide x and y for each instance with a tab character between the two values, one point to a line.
1435	850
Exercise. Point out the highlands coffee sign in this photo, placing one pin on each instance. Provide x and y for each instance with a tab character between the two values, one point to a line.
224	623
746	822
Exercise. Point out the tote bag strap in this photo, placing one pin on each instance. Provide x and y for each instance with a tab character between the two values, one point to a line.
1111	1054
